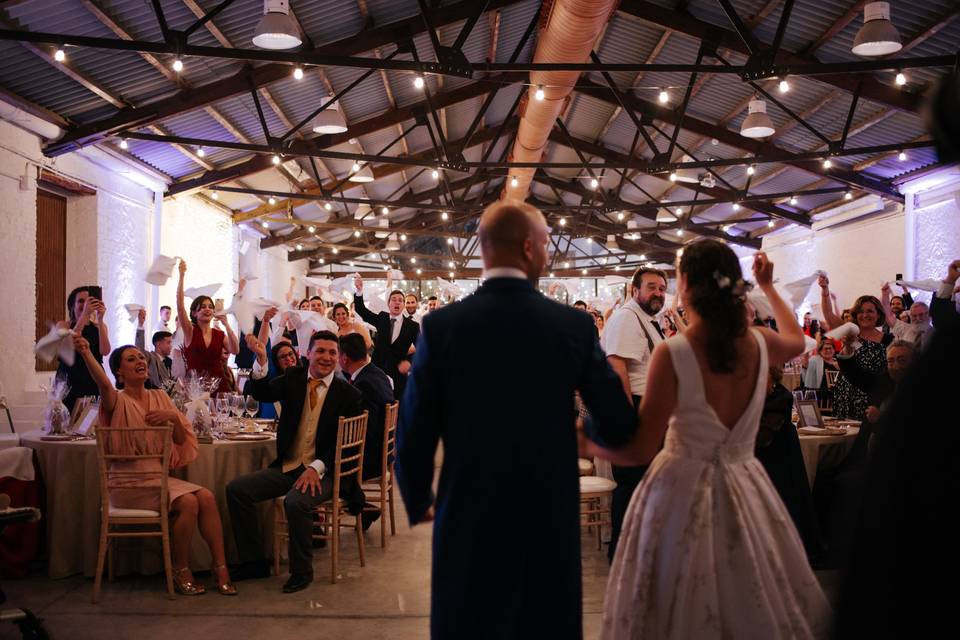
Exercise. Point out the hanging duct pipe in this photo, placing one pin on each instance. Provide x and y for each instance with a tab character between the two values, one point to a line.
569	29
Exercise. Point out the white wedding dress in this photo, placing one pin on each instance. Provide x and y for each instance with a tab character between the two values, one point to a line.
708	549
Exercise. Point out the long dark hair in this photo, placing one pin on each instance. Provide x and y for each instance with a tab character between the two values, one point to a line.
114	362
716	291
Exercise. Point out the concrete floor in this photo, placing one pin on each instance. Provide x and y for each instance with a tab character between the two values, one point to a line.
389	599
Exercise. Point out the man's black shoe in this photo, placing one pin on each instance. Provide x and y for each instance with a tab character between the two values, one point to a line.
250	571
297	582
367	518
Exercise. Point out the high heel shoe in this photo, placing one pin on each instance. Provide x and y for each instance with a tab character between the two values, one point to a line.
186	587
226	588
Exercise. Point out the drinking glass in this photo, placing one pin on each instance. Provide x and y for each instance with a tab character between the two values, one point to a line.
236	406
252	406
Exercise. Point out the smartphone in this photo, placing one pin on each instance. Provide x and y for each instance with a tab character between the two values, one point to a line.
95	291
899	277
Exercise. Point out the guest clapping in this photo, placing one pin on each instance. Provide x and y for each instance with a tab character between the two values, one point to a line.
86	319
204	345
134	406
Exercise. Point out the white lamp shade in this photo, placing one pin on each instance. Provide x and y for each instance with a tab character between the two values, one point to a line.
364	175
664	215
362	211
392	245
383	223
877	36
612	242
687	175
757	124
276	29
330	120
632	224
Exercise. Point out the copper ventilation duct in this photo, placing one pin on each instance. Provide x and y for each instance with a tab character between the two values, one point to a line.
568	31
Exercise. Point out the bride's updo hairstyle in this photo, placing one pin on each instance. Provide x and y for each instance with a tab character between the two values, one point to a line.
717	292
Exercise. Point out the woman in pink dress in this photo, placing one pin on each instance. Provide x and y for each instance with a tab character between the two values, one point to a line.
135	406
202	344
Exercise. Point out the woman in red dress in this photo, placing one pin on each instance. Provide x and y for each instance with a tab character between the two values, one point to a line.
202	344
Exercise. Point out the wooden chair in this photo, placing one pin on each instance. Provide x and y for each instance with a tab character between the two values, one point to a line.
585	467
121	454
595	495
380	489
348	462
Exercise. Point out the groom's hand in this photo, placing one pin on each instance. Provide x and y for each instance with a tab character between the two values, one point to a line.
309	479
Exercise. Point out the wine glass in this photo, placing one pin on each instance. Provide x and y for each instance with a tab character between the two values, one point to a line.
252	406
236	406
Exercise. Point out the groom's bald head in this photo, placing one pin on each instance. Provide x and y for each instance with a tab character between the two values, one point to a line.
514	234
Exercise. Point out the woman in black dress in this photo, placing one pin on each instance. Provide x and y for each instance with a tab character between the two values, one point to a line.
86	319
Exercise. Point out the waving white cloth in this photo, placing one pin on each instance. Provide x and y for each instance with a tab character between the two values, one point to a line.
343	285
843	331
59	342
921	285
134	310
809	344
161	270
244	310
206	290
248	262
448	287
798	289
318	283
615	281
306	323
572	285
396	274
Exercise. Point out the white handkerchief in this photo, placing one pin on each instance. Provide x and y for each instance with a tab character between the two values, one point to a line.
396	274
318	283
448	287
843	331
760	304
59	342
161	270
798	289
248	262
921	285
809	344
206	290
133	310
343	285
615	281
572	285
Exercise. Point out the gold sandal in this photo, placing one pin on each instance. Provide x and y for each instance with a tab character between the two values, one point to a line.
227	588
186	587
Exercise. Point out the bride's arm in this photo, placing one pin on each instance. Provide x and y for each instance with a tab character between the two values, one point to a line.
658	401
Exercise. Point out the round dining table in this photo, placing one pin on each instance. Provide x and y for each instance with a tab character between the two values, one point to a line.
823	450
70	477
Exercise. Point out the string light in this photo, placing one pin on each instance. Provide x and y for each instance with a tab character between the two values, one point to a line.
419	271
751	170
355	167
563	222
125	146
673	176
827	163
449	240
350	262
553	275
356	234
848	196
736	206
450	264
583	271
178	65
664	96
322	261
311	228
727	227
299	247
620	216
902	156
451	275
403	237
589	240
793	200
385	211
770	225
413	261
272	200
418	82
566	265
444	216
679	211
328	206
336	251
538	94
59	55
275	159
643	256
680	232
901	79
201	152
594	183
298	73
215	195
265	224
784	86
514	182
436	174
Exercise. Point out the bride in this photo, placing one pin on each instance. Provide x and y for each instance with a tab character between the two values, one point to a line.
708	549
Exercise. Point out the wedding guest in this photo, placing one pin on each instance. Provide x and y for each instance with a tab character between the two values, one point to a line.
411	306
942	308
163	324
810	325
191	505
203	344
226	372
502	399
879	386
345	326
599	321
778	450
580	305
376	390
433	303
313	400
395	336
817	366
316	304
629	342
86	315
304	305
159	362
849	401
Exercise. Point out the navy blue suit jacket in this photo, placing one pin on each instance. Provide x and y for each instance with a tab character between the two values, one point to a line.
376	391
494	378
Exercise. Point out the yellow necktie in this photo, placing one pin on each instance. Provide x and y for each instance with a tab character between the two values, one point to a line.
312	385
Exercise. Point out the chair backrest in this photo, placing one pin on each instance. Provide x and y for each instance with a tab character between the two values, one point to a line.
351	436
134	457
831	378
390	415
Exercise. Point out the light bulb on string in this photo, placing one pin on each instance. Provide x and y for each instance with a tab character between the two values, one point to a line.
901	79
311	229
449	240
265	224
793	200
736	206
418	81
594	183
356	234
563	222
201	152
215	195
538	94
123	144
299	247
385	211
413	261
751	170
664	96
848	196
435	174
827	163
514	182
275	159
178	65
902	156
59	55
356	167
336	251
272	201
770	224
444	216
328	206
784	86
403	237
298	73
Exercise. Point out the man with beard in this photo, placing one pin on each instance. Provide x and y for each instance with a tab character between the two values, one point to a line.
629	338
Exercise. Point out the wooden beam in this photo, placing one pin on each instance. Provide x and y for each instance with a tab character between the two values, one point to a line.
931	30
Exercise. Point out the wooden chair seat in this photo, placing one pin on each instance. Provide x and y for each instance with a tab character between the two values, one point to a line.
595	494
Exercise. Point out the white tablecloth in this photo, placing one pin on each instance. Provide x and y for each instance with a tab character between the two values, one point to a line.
72	514
825	452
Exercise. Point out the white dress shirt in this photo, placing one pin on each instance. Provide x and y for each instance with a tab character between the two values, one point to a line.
396	326
504	272
624	338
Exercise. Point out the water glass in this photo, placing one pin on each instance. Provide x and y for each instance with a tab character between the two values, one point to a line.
252	406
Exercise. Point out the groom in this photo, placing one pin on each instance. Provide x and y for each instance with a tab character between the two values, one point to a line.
506	541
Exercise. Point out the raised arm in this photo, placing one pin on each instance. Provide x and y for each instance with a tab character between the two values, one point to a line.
264	334
788	343
108	394
885	303
825	304
140	340
186	324
359	307
288	296
232	343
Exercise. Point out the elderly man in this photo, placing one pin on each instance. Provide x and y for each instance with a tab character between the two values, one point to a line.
490	580
919	330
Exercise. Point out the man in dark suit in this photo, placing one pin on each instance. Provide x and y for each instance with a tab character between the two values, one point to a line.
396	334
377	392
500	394
313	399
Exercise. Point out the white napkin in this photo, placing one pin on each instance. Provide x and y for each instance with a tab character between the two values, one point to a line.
809	344
615	281
59	342
206	290
396	274
572	285
843	331
244	310
798	289
248	262
343	285
133	310
161	270
448	287
318	283
921	285
306	323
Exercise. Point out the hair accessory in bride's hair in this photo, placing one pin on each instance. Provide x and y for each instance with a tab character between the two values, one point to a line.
739	289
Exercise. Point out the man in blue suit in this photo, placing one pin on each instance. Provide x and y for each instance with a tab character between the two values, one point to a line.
500	394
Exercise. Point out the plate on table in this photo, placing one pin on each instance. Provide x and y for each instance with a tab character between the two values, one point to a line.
61	437
825	431
249	437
